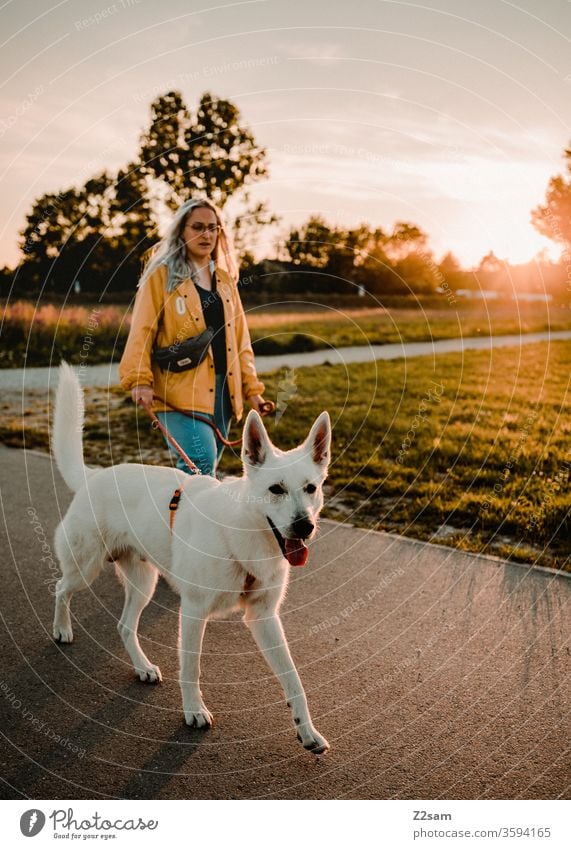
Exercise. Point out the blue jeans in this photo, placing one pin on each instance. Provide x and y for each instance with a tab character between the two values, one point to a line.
197	438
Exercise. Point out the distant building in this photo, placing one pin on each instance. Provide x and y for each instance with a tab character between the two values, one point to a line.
533	296
492	294
481	294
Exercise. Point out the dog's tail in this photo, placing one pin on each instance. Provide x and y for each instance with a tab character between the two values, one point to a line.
67	434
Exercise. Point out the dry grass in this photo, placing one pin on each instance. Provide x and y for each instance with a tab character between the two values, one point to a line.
41	336
264	319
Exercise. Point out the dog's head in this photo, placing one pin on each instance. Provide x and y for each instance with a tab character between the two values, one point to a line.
288	485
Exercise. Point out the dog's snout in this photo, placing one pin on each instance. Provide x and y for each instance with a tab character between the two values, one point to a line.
302	527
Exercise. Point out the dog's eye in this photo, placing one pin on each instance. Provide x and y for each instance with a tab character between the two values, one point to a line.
310	488
277	489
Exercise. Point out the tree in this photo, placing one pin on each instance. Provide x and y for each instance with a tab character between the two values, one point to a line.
451	271
212	154
349	251
95	233
381	263
492	273
63	230
405	239
163	150
98	232
490	264
318	246
247	226
418	271
132	225
371	248
449	265
372	265
312	243
554	219
6	281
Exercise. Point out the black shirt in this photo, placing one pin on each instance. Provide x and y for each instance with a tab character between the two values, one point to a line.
213	312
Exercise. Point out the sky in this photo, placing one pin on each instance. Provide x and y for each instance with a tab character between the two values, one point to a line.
449	114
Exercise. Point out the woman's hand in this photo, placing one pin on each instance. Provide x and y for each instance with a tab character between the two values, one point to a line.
142	395
259	404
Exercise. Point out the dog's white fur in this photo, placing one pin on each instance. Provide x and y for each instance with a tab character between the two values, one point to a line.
221	536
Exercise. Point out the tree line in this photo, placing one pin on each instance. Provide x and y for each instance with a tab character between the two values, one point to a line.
92	237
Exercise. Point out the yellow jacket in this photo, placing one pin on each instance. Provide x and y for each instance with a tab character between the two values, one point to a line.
165	318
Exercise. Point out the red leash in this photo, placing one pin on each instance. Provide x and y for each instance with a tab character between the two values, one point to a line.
267	407
200	418
157	424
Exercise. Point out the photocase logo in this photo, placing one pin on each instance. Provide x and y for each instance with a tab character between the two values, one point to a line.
287	390
32	822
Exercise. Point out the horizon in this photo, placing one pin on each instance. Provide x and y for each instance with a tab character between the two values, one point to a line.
402	112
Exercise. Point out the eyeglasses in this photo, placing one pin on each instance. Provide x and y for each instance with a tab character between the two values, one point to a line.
199	228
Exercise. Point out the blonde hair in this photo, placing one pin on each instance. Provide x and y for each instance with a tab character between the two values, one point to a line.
171	250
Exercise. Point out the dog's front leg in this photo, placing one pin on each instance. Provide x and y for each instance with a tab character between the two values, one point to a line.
270	638
192	627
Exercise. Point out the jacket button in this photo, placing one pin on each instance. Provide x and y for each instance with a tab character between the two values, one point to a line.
229	374
212	390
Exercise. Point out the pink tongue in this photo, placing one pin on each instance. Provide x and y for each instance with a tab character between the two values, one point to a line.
296	552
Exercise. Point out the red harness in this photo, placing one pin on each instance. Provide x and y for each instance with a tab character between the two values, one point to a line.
173	505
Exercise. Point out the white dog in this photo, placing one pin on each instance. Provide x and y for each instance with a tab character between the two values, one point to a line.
230	546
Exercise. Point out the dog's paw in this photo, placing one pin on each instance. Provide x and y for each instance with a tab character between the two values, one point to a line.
62	634
312	740
199	717
150	674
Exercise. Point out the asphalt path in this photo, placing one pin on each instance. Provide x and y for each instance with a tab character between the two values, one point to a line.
433	673
34	378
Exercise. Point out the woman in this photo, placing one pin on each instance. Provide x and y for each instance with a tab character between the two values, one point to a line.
191	283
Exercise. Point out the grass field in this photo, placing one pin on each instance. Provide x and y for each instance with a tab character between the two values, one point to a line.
37	337
309	331
472	450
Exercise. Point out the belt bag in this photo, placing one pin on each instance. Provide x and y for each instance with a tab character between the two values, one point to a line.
182	356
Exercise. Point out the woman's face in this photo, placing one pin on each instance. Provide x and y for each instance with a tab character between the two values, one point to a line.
200	233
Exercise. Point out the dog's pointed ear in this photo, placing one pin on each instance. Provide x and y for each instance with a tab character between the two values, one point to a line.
319	440
255	441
